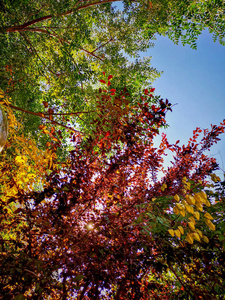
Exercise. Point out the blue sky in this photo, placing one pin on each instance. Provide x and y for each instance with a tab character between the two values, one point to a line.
195	80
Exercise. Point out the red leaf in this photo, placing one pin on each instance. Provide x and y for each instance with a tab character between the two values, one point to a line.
107	134
109	83
103	81
152	90
112	94
103	73
110	77
113	90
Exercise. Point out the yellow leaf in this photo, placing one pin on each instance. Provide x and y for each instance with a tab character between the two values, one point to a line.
182	212
197	215
203	195
191	226
199	207
205	239
181	229
184	179
207	203
171	232
189	238
177	233
196	236
176	210
210	224
176	198
199	233
199	198
163	187
189	209
180	206
191	219
208	216
19	160
190	199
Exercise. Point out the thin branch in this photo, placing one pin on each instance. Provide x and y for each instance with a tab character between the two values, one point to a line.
37	12
112	39
71	113
31	272
44	18
36	29
41	115
60	39
35	51
67	127
91	53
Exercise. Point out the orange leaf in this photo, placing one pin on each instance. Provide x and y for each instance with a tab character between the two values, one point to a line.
45	103
52	129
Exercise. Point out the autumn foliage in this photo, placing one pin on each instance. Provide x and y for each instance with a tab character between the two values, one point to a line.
112	222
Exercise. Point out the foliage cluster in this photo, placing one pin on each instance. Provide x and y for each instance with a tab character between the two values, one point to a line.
88	210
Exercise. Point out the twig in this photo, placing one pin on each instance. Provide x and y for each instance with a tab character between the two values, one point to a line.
31	272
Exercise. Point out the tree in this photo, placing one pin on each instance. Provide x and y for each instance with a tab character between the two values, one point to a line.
100	223
52	52
106	227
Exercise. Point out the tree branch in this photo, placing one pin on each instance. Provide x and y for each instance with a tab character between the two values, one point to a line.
71	113
44	18
35	51
41	115
102	45
61	40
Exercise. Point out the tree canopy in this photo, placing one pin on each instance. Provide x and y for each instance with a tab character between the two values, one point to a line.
88	209
52	52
